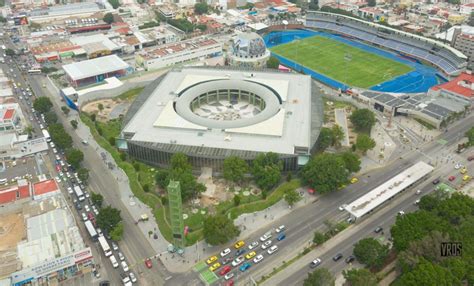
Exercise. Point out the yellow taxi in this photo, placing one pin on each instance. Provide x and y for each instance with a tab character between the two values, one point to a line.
354	180
250	255
463	171
215	266
211	259
466	178
239	244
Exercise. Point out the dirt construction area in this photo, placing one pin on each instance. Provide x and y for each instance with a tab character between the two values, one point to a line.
106	109
12	231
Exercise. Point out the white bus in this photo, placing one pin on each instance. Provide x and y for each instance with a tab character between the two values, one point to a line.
46	135
79	193
105	246
34	71
91	230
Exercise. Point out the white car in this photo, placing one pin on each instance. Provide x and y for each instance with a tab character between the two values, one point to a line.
55	151
87	195
417	202
265	236
253	245
57	179
52	144
124	266
401	213
229	276
114	246
280	228
225	252
87	208
457	166
68	175
342	207
266	244
133	278
61	174
84	217
272	249
70	191
418	192
237	261
121	257
95	210
258	259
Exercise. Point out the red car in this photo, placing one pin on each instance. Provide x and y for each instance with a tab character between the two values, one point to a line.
225	270
451	178
230	283
58	168
148	263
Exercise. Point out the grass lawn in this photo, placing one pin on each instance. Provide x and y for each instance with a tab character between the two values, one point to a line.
326	56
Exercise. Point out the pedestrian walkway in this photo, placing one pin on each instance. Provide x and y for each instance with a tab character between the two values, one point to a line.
206	275
341	120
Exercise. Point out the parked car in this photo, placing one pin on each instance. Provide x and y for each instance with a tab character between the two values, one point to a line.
211	259
215	266
272	249
239	244
225	270
281	236
436	181
258	258
250	255
148	263
378	229
237	261
451	178
315	263
280	228
253	245
121	257
133	278
240	252
229	276
350	259
265	236
245	266
124	266
337	257
266	244
114	246
225	252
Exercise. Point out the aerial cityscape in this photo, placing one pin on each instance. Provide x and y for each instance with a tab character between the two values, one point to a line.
236	142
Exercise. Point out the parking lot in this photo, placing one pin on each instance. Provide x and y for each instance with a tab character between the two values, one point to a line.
13	170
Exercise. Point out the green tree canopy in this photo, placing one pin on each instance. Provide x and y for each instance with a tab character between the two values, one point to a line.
108	218
115	3
59	136
108	18
427	273
325	173
319	237
320	277
364	143
74	123
371	252
50	117
325	138
201	8
235	169
83	174
292	197
266	169
181	170
42	104
363	119
470	22
351	161
162	178
273	62
371	3
10	53
470	136
97	199
219	229
117	232
65	109
337	135
74	157
360	277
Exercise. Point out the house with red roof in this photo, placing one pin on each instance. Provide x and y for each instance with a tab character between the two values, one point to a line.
45	189
460	89
10	117
14	193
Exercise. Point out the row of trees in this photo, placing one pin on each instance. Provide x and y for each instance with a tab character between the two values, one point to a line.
470	136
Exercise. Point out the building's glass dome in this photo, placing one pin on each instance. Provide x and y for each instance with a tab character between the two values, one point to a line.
248	45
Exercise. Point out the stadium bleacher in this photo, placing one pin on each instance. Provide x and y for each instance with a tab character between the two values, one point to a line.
441	57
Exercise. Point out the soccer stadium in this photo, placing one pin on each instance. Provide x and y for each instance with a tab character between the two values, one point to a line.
210	114
345	52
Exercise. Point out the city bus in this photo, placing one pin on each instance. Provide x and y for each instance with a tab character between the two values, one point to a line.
91	230
46	135
105	246
34	71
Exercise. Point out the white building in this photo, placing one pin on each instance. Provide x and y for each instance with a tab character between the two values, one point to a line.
11	118
466	9
177	53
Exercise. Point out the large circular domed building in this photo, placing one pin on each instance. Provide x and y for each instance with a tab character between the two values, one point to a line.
248	50
210	114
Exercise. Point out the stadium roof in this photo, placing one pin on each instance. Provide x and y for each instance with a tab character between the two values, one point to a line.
387	190
93	67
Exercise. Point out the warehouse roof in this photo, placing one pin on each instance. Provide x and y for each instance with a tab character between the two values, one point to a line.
90	68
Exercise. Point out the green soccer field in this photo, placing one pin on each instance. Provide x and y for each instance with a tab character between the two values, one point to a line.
326	56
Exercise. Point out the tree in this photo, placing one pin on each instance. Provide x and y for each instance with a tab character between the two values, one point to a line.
65	109
219	229
179	161
97	199
319	277
325	173
363	119
74	123
337	135
100	106
313	6
351	161
292	196
235	169
162	178
108	18
236	200
115	3
83	174
29	130
273	62
50	117
42	104
427	273
74	157
181	171
271	17
59	136
325	138
201	27
266	169
360	277
108	218
470	136
371	252
10	53
319	237
470	22
2	19
117	232
201	8
364	143
371	3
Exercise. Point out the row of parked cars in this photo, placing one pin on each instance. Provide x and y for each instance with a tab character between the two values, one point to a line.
240	259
